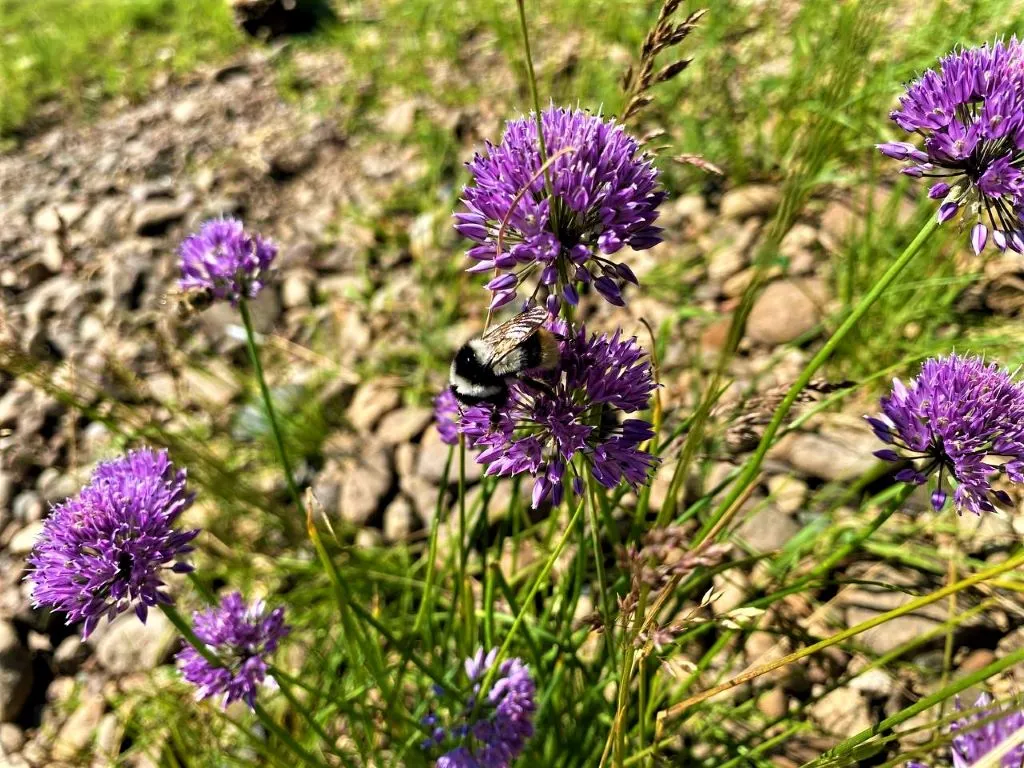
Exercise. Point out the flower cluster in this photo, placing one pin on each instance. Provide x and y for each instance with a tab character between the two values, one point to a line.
446	417
598	194
980	733
223	261
959	417
105	550
492	732
970	114
574	412
241	636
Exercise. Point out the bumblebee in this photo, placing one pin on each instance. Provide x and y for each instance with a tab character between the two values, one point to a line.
482	366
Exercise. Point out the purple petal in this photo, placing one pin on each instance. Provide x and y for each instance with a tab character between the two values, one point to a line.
502	298
979	237
626	274
947	211
502	283
541	487
909	475
607	288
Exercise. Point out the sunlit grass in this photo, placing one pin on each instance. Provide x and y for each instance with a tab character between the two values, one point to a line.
81	53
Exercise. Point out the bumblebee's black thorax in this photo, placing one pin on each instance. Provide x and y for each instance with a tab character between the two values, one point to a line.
469	366
473	381
530	352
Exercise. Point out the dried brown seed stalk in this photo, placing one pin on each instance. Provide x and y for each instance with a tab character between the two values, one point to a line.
665	34
748	421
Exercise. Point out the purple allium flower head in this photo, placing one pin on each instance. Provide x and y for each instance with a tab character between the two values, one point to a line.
606	197
493	732
225	261
446	417
960	417
970	114
105	550
241	636
574	411
972	742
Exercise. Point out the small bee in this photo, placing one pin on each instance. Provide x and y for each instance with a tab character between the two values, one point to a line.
482	366
188	303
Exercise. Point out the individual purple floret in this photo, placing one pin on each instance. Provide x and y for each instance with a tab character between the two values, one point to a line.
970	115
241	636
972	741
446	417
606	196
224	261
575	411
490	733
959	417
105	550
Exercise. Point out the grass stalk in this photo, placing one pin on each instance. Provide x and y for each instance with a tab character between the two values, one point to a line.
531	77
677	709
834	757
753	465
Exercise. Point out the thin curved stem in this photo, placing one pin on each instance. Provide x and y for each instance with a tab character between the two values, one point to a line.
282	453
532	78
869	299
462	589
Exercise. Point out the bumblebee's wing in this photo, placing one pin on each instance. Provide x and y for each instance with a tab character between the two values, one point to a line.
503	339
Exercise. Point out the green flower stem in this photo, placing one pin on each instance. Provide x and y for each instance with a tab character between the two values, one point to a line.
464	595
427	603
513	604
927	702
282	453
753	465
527	602
204	592
190	637
677	709
607	614
268	722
